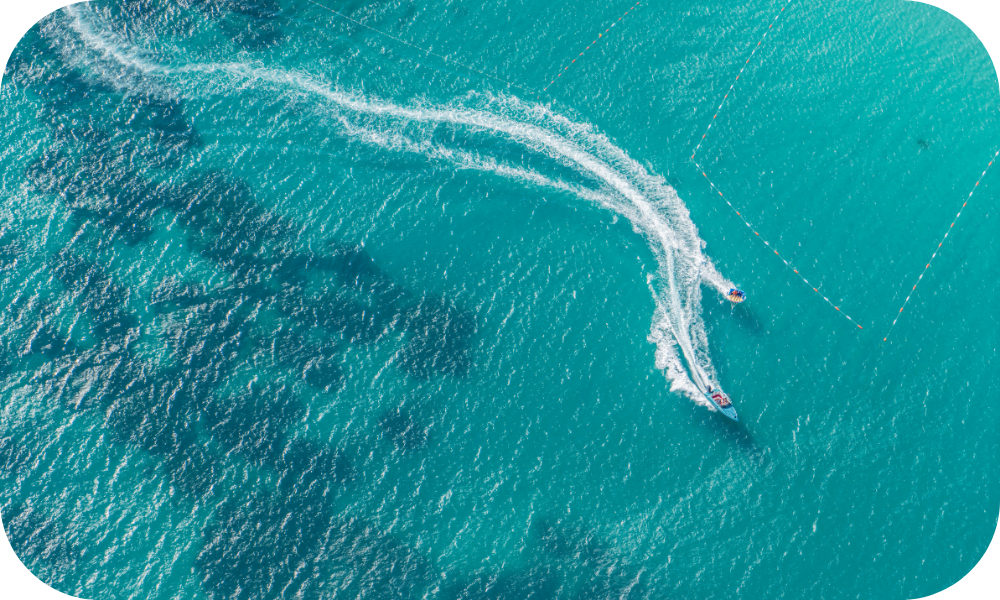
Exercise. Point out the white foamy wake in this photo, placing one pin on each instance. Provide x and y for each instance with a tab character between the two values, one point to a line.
620	184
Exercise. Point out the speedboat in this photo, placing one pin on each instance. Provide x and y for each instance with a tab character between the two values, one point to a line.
722	402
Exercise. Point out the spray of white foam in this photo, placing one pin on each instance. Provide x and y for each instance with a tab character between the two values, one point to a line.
622	184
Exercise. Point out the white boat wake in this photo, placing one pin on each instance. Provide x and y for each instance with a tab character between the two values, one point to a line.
611	178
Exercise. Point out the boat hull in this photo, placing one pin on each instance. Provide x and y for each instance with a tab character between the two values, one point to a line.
728	411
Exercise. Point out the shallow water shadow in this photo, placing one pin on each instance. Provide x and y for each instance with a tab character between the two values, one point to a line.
257	545
152	413
316	363
49	342
59	88
192	469
158	122
98	297
403	429
10	252
207	342
439	339
747	320
254	546
35	538
165	120
379	564
310	473
15	456
579	548
568	541
115	199
339	312
254	421
171	295
737	435
250	24
356	269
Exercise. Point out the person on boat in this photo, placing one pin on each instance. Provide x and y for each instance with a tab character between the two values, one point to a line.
721	399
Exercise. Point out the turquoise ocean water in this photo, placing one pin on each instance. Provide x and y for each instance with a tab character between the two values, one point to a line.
291	309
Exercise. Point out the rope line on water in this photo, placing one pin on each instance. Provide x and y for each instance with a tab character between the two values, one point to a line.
771	248
938	249
743	68
704	173
726	339
599	37
424	50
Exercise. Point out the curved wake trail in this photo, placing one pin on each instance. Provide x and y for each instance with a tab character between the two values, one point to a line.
620	184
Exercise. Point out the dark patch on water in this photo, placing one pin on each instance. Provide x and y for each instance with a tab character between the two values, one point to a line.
256	548
155	415
49	342
192	470
165	118
251	24
405	431
324	373
62	89
36	538
87	136
207	342
923	143
242	238
747	320
96	188
284	347
357	321
369	563
356	268
360	319
253	422
439	339
10	252
574	542
293	544
98	297
312	473
232	227
115	371
578	547
15	457
156	128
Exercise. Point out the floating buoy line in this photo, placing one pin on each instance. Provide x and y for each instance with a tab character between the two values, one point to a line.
424	50
738	75
938	249
703	171
698	146
597	39
506	82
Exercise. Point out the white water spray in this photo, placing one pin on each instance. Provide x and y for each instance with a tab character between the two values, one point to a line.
622	184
